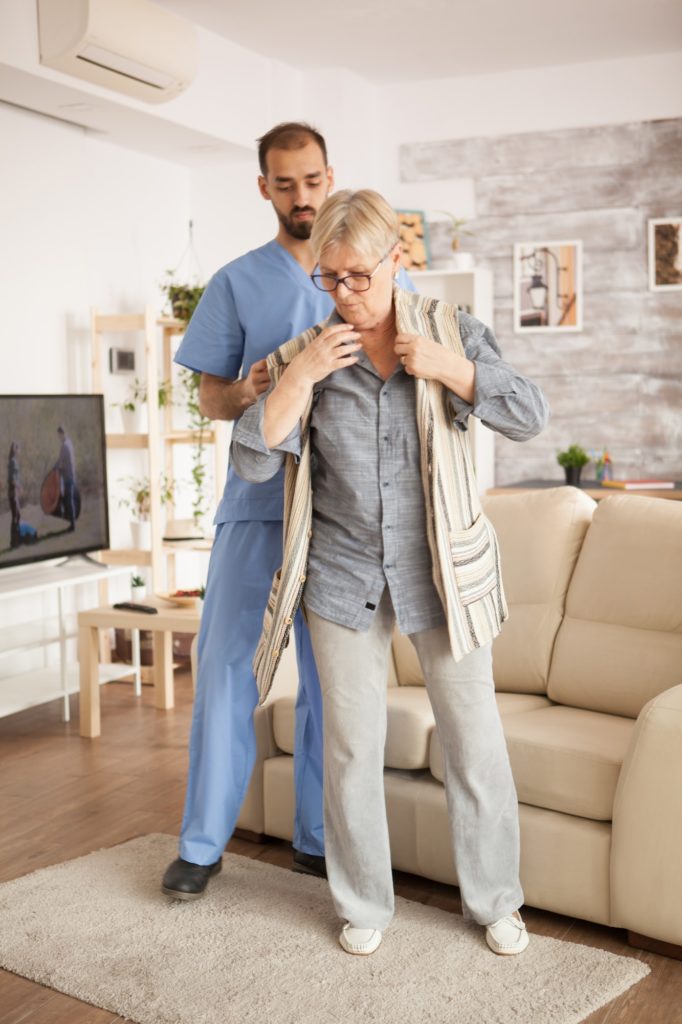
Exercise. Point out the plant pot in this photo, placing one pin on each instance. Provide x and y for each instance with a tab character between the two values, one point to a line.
462	261
133	421
142	535
573	475
138	594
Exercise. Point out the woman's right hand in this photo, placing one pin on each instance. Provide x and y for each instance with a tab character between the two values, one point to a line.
333	349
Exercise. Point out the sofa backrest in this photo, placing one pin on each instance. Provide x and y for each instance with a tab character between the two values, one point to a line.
620	642
540	534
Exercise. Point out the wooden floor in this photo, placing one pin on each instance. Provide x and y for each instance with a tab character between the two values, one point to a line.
62	796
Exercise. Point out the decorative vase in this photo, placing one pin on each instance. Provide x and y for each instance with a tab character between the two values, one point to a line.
462	260
142	534
132	420
573	475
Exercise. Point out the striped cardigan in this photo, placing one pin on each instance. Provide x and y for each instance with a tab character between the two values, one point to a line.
463	545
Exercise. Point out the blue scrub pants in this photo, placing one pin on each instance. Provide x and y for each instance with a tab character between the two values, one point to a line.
222	749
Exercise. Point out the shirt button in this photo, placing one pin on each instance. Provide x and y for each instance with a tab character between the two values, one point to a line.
388	566
386	484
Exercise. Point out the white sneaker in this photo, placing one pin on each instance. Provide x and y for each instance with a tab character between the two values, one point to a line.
360	941
508	936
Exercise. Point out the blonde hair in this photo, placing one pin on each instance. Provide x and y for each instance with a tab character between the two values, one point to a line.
362	220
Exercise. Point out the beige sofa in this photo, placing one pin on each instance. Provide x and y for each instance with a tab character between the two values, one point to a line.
588	673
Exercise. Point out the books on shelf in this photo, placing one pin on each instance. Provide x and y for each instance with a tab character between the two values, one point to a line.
640	485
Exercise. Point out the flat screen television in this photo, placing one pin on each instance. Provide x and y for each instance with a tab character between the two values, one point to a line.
53	477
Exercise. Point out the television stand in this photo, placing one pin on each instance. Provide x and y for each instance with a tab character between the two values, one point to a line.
19	691
81	561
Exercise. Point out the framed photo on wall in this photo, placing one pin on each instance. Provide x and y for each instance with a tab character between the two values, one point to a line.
665	254
548	286
414	235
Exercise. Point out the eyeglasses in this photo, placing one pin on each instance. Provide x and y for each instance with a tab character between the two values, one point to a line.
354	282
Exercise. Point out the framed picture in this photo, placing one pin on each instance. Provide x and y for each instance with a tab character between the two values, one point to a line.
414	235
548	286
665	254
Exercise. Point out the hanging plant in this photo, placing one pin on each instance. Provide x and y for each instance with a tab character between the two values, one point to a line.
181	287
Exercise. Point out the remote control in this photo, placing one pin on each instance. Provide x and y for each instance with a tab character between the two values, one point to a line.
129	606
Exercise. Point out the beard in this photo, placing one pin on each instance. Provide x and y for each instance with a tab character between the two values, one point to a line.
297	229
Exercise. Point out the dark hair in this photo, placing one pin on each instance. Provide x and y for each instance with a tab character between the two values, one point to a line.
288	135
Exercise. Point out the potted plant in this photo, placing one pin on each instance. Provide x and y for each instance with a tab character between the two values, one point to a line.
573	460
138	500
183	299
458	260
138	588
131	407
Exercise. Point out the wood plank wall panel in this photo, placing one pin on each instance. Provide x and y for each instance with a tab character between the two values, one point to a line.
618	383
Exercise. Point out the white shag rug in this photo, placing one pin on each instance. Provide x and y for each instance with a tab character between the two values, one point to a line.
262	946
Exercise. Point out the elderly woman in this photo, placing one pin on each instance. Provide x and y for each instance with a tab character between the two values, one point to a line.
369	411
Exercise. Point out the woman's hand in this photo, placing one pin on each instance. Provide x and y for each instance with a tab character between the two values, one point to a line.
331	350
429	360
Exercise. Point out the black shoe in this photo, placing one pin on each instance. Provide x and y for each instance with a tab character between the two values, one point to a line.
309	864
186	881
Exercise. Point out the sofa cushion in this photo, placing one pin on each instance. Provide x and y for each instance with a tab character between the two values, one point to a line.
283	723
410	724
408	733
620	643
507	703
540	535
566	759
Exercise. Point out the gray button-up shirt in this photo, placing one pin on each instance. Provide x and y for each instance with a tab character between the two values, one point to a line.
369	519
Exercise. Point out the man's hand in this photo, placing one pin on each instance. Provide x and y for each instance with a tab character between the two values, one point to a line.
256	381
222	399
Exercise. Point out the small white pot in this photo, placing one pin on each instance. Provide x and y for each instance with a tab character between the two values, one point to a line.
142	535
133	420
462	261
138	594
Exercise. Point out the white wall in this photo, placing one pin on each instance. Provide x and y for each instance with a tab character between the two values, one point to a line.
83	223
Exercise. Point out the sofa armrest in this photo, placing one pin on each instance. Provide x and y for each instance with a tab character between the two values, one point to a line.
646	851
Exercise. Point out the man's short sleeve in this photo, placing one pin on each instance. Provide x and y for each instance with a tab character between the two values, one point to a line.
214	339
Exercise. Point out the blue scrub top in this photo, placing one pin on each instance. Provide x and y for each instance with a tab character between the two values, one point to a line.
250	307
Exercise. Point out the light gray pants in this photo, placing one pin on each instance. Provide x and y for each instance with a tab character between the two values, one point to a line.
482	802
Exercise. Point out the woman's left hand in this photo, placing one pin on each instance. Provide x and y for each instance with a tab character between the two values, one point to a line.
428	360
421	357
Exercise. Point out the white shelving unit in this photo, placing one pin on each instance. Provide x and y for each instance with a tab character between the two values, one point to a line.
158	441
38	686
472	290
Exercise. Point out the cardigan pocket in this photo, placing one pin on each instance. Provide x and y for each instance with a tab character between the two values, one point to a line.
474	559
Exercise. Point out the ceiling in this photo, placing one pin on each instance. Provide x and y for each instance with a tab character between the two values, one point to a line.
401	40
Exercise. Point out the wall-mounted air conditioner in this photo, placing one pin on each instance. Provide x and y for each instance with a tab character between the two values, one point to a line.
132	46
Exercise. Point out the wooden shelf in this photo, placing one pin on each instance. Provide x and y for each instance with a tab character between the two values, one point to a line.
121	322
127	440
127	556
190	436
160	441
195	544
171	324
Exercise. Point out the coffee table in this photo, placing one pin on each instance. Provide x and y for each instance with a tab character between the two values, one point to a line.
169	620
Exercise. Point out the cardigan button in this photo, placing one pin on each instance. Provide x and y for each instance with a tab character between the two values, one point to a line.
301	579
287	622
